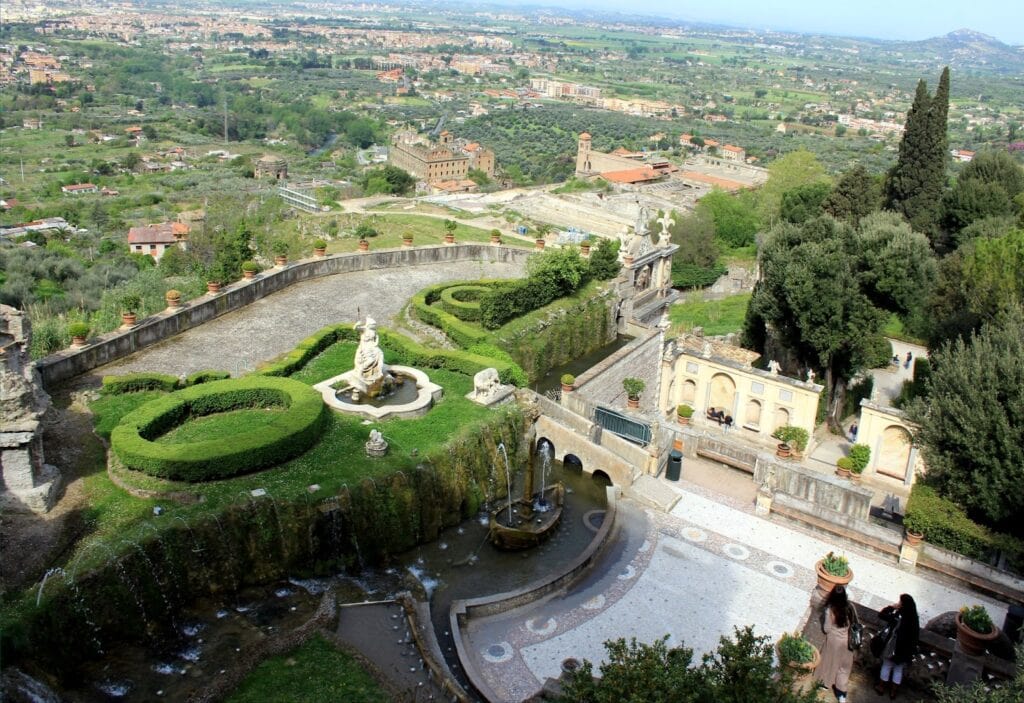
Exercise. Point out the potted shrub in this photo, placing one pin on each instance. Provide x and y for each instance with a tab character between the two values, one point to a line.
364	245
250	269
173	298
567	382
633	387
975	630
449	231
782	449
683	414
799	656
844	467
495	236
213	287
280	249
833	570
319	247
406	239
79	331
540	242
130	303
793	441
913	528
585	247
860	455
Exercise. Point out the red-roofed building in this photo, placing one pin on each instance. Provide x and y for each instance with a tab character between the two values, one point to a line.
633	176
155	239
79	189
734	153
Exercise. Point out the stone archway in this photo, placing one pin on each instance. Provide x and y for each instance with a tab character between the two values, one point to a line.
541	442
601	478
688	392
894	452
781	418
752	414
722	393
572	462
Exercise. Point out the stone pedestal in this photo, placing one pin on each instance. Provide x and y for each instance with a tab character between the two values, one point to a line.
909	554
763	503
964	669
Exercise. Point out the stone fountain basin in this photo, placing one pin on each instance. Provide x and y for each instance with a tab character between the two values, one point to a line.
427	393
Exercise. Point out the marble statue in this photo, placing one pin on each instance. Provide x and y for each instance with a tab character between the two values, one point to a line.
370	371
810	375
376	445
665	237
774	367
486	383
643	219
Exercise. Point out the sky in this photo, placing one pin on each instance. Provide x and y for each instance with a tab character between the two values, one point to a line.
880	19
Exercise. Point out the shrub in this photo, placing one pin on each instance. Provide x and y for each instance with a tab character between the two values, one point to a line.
835	564
250	266
298	428
206	376
976	618
633	387
568	379
860	455
463	301
129	302
947	526
133	382
796	437
684	411
78	329
844	462
319	244
172	294
794	648
694	276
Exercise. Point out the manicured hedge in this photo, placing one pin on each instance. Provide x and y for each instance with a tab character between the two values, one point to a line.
462	333
298	428
134	382
463	301
397	350
946	525
206	376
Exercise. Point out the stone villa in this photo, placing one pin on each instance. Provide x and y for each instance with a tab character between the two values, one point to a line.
444	162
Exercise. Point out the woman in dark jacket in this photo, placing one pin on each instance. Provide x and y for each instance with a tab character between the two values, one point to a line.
901	645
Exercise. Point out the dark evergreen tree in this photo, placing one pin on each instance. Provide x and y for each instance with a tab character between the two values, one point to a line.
855	195
916	183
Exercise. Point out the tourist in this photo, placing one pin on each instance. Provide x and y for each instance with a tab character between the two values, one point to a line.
836	656
895	361
853	431
728	422
910	358
901	644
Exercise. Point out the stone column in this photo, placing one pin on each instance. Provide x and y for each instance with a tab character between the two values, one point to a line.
964	669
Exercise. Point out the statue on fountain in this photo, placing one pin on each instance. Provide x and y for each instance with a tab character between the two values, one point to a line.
371	374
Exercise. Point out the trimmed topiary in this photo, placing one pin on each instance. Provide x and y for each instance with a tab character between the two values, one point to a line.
206	376
133	382
297	429
463	301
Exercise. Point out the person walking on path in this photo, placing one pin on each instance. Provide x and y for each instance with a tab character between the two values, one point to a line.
900	646
910	358
836	655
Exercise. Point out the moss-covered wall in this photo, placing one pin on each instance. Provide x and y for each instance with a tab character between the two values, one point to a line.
562	332
135	595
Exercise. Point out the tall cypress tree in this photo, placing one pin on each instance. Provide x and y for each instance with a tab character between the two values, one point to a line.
916	183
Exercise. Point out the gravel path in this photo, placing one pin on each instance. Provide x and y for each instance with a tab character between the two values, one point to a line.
236	342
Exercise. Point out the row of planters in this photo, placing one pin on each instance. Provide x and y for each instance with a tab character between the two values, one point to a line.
852	466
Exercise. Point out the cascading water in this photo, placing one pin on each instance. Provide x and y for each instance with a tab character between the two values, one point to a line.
544	449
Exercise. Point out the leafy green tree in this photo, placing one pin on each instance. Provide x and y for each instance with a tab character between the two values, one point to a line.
736	220
825	291
604	260
804	202
232	249
695	264
915	184
797	168
741	670
986	187
971	428
856	194
388	179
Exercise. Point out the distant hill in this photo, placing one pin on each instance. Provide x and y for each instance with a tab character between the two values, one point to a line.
967	48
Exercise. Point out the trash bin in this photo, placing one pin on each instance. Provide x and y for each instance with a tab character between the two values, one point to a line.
675	465
1013	623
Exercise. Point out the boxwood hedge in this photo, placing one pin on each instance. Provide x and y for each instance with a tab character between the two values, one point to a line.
463	301
206	376
133	382
297	429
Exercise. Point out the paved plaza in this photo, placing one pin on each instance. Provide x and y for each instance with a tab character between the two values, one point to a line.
708	566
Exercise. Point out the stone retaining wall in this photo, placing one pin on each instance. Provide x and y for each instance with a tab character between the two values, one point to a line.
115	345
602	383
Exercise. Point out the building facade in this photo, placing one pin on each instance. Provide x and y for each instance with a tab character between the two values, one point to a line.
445	160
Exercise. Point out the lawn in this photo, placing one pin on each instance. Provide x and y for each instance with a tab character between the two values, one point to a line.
425	230
220	426
717	317
315	672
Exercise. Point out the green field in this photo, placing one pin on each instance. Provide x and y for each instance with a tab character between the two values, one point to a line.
425	231
717	317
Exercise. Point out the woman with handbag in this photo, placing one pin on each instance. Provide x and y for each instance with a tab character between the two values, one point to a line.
837	655
904	630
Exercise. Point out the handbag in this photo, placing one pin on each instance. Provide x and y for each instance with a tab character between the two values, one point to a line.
855	636
880	641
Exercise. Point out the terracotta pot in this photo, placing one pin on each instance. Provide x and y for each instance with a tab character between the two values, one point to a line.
449	239
843	473
248	274
628	260
540	244
783	450
584	249
212	287
364	245
632	403
826	581
78	341
320	251
128	319
570	665
973	643
913	538
406	241
173	303
803	673
682	420
566	387
495	239
856	477
281	260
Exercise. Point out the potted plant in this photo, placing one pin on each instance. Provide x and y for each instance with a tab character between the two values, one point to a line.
79	331
860	455
975	630
683	414
794	438
913	528
406	239
449	231
799	656
319	247
495	236
585	247
213	287
130	303
567	382
782	449
173	298
250	269
844	467
280	249
833	570
540	242
633	387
